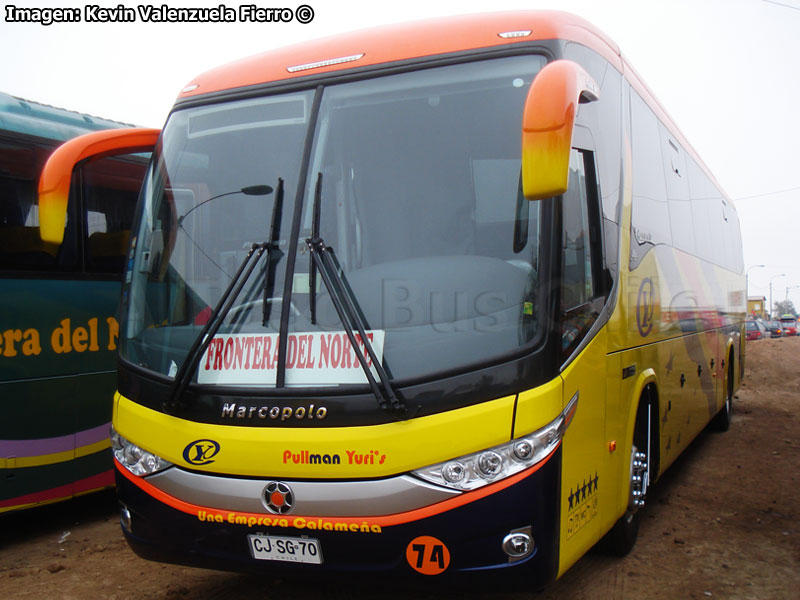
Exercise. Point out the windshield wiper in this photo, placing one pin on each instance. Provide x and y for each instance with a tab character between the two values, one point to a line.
323	259
312	266
275	253
223	306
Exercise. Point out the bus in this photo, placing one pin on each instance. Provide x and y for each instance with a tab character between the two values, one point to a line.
430	309
58	330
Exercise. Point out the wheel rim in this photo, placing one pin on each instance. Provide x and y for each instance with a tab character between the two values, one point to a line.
639	479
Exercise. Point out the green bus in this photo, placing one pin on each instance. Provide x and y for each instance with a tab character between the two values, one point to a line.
58	307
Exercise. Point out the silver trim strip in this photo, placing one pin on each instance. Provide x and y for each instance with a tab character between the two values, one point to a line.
325	63
311	498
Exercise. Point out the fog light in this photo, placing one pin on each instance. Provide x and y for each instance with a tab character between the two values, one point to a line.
518	544
125	518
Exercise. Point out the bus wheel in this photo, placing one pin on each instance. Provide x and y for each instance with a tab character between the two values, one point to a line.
722	420
620	540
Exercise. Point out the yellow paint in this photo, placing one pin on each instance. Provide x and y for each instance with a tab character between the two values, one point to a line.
53	219
45	459
92	448
584	476
538	407
545	164
32	504
261	451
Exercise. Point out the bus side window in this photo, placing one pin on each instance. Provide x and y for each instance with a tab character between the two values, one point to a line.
581	253
21	246
109	189
650	219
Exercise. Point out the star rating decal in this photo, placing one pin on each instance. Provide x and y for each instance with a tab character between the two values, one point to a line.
584	504
582	491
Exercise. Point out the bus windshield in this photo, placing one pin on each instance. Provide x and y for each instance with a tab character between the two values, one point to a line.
417	180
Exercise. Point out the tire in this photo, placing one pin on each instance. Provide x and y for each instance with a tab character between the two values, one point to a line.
621	539
722	420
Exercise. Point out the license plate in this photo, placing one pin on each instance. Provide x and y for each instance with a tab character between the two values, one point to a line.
288	549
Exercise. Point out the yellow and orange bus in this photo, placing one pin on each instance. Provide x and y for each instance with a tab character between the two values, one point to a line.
430	299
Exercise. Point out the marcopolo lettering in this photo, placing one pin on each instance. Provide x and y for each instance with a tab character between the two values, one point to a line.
231	410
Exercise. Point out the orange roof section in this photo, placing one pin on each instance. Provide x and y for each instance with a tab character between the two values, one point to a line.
405	41
419	39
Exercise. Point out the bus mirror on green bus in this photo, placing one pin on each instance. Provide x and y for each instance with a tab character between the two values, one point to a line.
547	122
54	183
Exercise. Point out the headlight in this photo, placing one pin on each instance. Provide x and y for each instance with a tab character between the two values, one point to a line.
132	457
487	466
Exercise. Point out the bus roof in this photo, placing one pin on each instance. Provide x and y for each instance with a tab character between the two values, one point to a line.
405	41
425	39
41	120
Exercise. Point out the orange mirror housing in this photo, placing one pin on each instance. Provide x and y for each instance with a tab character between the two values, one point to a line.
547	123
54	182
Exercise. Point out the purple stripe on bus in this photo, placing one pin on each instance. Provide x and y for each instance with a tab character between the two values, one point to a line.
64	443
92	436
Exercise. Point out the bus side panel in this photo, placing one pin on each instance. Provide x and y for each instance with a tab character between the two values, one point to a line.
676	327
584	478
57	379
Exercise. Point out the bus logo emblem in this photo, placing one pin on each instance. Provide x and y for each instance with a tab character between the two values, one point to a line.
278	498
645	307
201	452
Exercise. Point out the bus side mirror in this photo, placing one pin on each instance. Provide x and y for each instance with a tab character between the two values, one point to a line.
54	182
547	123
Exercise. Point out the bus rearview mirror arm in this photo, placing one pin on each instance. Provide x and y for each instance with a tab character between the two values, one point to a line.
547	125
54	183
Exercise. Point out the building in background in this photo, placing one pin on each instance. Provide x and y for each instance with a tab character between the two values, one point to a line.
757	307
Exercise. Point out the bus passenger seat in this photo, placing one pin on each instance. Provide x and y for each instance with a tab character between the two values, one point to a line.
106	251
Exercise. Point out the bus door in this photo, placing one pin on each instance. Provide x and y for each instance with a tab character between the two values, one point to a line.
582	297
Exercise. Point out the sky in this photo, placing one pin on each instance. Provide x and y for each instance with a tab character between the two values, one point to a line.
727	71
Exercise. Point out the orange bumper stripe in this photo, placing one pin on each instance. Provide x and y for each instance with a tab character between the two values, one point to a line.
382	521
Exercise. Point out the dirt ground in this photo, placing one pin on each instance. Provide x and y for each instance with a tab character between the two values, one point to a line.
721	523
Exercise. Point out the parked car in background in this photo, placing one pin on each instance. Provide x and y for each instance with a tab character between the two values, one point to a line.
775	329
754	330
789	324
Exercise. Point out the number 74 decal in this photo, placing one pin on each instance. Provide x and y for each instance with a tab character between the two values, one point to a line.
427	555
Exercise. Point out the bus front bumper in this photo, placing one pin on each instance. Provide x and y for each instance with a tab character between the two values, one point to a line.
477	532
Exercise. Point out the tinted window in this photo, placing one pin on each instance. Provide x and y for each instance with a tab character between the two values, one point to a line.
21	247
674	201
651	220
110	188
580	255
